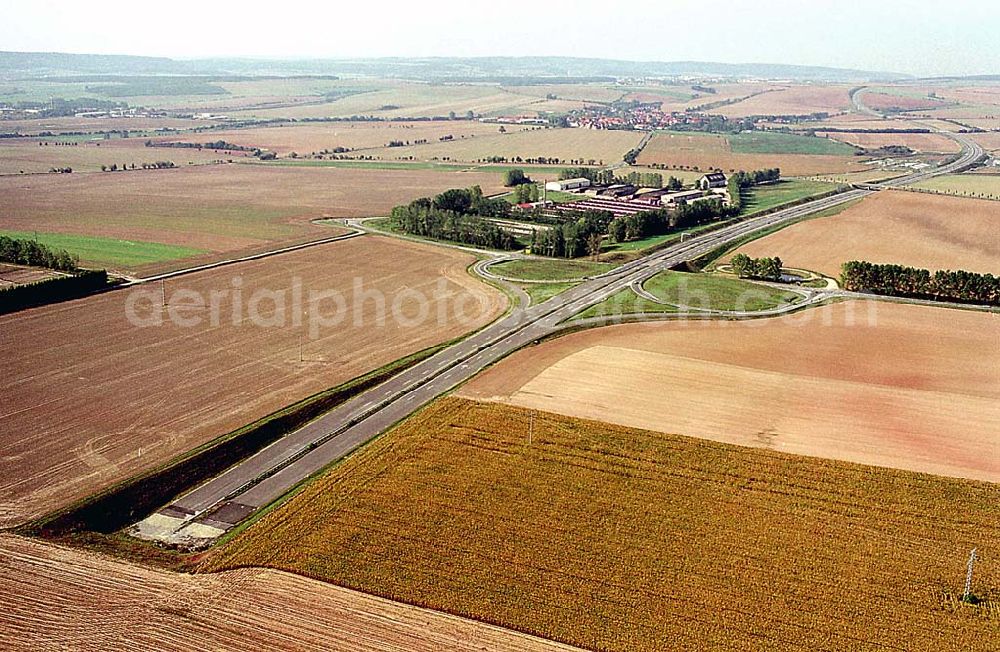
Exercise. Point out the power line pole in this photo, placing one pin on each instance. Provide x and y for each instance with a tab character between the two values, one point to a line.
531	427
163	293
968	576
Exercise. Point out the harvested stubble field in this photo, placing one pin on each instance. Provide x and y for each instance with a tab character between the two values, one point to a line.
921	230
93	125
613	538
892	385
89	399
223	209
989	141
920	142
27	156
723	92
57	598
887	101
307	138
564	144
390	99
707	151
795	100
987	185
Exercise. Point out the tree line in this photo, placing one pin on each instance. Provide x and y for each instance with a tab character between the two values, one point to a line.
457	215
628	228
215	144
902	281
767	269
740	181
34	253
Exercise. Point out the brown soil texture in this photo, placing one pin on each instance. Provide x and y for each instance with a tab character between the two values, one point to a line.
223	209
58	598
892	385
899	227
88	398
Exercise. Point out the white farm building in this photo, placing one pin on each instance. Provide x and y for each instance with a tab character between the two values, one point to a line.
567	184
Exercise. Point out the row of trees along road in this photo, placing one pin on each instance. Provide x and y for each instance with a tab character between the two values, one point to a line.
767	269
901	281
457	215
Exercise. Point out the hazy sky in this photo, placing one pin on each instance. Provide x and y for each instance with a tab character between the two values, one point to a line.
919	36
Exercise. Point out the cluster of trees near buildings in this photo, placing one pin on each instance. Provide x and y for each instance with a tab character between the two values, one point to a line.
573	238
767	268
608	177
456	215
628	228
31	252
902	281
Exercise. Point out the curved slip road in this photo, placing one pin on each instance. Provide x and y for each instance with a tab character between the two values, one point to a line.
202	515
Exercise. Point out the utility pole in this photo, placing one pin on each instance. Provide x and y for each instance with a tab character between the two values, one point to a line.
163	293
968	576
531	427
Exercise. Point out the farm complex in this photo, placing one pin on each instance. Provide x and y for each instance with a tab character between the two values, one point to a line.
500	352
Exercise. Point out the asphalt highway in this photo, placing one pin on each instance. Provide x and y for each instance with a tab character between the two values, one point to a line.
219	504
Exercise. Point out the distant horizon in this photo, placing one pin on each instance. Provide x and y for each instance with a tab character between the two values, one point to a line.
906	37
445	57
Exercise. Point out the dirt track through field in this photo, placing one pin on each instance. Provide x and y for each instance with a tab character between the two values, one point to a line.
88	398
58	598
919	390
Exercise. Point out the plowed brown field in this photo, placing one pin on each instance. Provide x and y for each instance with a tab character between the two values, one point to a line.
88	398
894	227
61	599
795	100
27	156
915	388
919	141
224	209
614	538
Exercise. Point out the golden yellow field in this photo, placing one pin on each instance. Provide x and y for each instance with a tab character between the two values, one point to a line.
613	538
921	230
565	144
61	599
